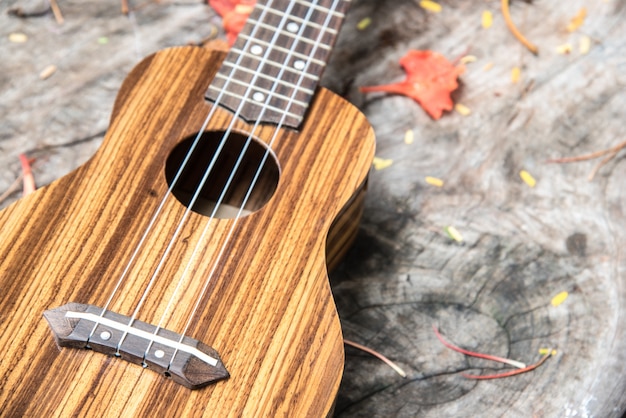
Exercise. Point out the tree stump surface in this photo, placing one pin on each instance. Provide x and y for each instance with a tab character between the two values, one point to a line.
521	246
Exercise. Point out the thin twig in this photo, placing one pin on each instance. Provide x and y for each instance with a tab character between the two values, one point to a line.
451	346
125	8
509	373
600	164
56	11
376	354
591	156
509	23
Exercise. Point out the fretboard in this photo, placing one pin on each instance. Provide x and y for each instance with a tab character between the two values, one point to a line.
272	70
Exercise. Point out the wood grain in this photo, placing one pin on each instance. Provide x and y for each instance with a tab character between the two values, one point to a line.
268	311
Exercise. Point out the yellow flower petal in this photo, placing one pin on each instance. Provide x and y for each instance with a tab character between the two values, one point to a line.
431	6
559	299
467	59
527	178
381	163
487	19
409	137
578	20
462	109
564	49
516	74
18	38
434	181
454	233
364	23
584	45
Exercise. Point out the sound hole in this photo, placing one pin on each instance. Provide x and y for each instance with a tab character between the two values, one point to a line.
219	186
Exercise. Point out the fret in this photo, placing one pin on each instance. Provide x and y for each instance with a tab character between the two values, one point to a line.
307	23
282	112
293	36
284	50
245	73
256	61
308	5
273	68
266	91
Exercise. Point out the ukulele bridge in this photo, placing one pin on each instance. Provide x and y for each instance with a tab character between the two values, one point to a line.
187	361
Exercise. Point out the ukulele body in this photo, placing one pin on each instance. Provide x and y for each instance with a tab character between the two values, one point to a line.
264	299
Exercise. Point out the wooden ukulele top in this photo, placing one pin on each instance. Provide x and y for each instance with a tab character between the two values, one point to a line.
268	310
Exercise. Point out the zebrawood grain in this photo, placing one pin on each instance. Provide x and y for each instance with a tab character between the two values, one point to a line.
268	311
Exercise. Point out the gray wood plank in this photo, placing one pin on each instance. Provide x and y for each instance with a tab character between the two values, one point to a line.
521	246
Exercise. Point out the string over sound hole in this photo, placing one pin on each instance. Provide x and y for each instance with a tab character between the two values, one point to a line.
242	174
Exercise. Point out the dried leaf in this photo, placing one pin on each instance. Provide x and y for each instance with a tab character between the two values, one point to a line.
234	15
430	80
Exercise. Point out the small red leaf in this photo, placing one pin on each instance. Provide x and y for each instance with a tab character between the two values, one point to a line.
430	80
234	14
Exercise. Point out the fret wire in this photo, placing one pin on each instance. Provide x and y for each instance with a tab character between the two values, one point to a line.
263	90
307	4
264	76
289	34
285	50
306	22
272	63
252	102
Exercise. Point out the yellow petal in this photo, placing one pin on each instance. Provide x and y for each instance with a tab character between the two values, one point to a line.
578	20
434	181
431	6
462	109
527	178
559	299
516	74
564	49
487	19
18	38
47	72
381	163
488	66
364	23
454	233
467	59
409	137
584	44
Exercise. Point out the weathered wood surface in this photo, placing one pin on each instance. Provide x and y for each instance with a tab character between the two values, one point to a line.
521	246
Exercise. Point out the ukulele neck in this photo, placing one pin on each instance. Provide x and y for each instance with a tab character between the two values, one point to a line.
272	70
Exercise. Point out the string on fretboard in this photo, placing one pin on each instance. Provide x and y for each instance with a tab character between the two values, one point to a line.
272	70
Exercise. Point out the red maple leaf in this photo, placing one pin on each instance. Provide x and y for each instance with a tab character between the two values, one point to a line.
430	80
234	15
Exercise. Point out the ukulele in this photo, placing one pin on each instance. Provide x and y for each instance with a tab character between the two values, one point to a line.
182	271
